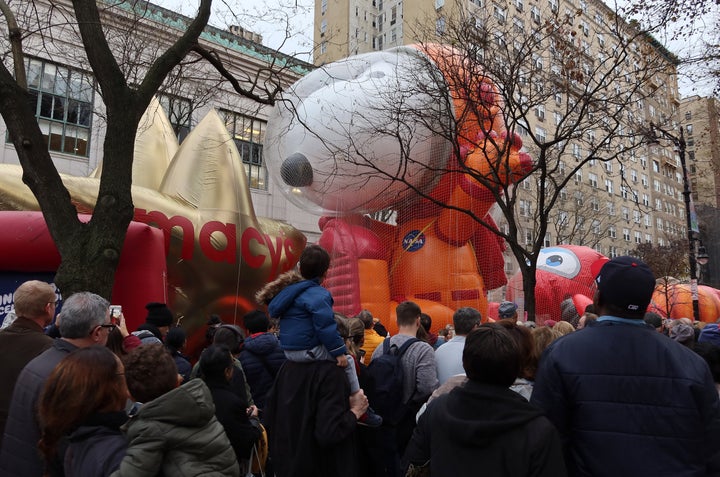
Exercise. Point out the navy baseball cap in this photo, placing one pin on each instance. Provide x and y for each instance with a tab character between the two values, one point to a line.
628	283
507	309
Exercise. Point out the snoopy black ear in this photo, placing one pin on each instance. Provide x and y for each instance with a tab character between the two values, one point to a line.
296	171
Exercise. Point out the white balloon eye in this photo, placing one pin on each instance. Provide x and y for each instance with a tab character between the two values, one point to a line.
559	261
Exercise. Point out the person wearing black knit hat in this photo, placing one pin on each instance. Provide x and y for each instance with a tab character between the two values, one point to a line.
160	317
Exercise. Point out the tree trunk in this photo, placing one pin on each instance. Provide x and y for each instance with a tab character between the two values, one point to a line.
529	282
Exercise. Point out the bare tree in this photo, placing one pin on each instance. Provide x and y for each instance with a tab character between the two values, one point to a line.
693	28
130	62
669	260
514	72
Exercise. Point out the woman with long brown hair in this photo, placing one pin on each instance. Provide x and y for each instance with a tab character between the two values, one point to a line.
84	400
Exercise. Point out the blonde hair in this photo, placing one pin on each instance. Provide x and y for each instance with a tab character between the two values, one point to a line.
563	328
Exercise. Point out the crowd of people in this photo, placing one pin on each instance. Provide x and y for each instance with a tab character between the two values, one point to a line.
301	390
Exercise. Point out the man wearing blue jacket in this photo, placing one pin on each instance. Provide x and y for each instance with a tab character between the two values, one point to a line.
628	401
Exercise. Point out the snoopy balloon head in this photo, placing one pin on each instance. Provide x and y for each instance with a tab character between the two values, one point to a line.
409	130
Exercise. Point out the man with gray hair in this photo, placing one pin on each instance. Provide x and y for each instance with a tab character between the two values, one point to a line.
449	355
84	321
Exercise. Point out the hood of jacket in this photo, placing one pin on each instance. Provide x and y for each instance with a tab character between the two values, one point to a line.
262	344
498	410
286	297
190	405
270	290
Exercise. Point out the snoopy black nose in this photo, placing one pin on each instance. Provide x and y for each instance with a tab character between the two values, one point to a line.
296	171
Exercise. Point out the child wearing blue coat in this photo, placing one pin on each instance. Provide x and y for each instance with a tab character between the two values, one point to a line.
308	331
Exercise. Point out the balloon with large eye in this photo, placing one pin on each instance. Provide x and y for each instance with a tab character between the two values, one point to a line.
562	272
409	131
341	137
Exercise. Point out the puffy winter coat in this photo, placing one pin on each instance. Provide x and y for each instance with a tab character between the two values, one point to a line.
178	434
629	401
261	358
97	447
306	318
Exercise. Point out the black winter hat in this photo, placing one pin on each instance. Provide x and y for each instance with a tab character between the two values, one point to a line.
159	314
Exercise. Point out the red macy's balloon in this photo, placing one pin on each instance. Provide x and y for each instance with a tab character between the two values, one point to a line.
218	252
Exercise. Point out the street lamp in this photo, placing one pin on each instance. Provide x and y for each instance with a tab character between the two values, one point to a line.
693	256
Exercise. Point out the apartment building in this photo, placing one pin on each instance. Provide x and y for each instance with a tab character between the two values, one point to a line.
612	205
701	130
70	109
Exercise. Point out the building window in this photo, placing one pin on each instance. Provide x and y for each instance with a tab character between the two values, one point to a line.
535	14
63	99
248	134
499	13
593	179
576	151
439	26
323	7
525	209
609	186
626	235
179	113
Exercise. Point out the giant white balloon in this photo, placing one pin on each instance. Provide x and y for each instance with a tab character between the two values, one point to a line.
344	137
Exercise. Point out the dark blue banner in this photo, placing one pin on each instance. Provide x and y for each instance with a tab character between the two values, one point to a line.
9	281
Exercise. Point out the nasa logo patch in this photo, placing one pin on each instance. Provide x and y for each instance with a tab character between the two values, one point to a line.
413	241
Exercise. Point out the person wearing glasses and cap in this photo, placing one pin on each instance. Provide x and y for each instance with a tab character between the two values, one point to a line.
84	321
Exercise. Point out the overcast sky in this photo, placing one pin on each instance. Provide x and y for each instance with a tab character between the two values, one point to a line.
270	18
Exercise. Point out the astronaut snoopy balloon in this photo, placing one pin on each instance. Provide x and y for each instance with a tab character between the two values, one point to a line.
394	130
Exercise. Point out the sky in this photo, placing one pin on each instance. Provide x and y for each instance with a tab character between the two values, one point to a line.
287	25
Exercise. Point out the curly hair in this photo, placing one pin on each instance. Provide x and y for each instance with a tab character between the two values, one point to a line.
150	372
87	381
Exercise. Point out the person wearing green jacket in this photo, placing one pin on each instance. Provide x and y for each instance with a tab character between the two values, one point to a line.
172	430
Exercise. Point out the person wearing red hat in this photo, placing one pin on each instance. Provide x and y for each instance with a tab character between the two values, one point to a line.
628	400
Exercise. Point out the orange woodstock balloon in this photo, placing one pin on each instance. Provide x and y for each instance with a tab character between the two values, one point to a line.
365	134
672	299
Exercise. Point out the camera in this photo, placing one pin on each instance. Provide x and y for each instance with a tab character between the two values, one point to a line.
115	312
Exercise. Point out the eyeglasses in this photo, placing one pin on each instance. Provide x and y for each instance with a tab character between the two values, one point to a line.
109	326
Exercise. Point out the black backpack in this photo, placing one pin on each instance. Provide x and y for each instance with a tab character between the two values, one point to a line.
386	373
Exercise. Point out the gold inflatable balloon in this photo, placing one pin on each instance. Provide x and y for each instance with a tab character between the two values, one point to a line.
218	252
